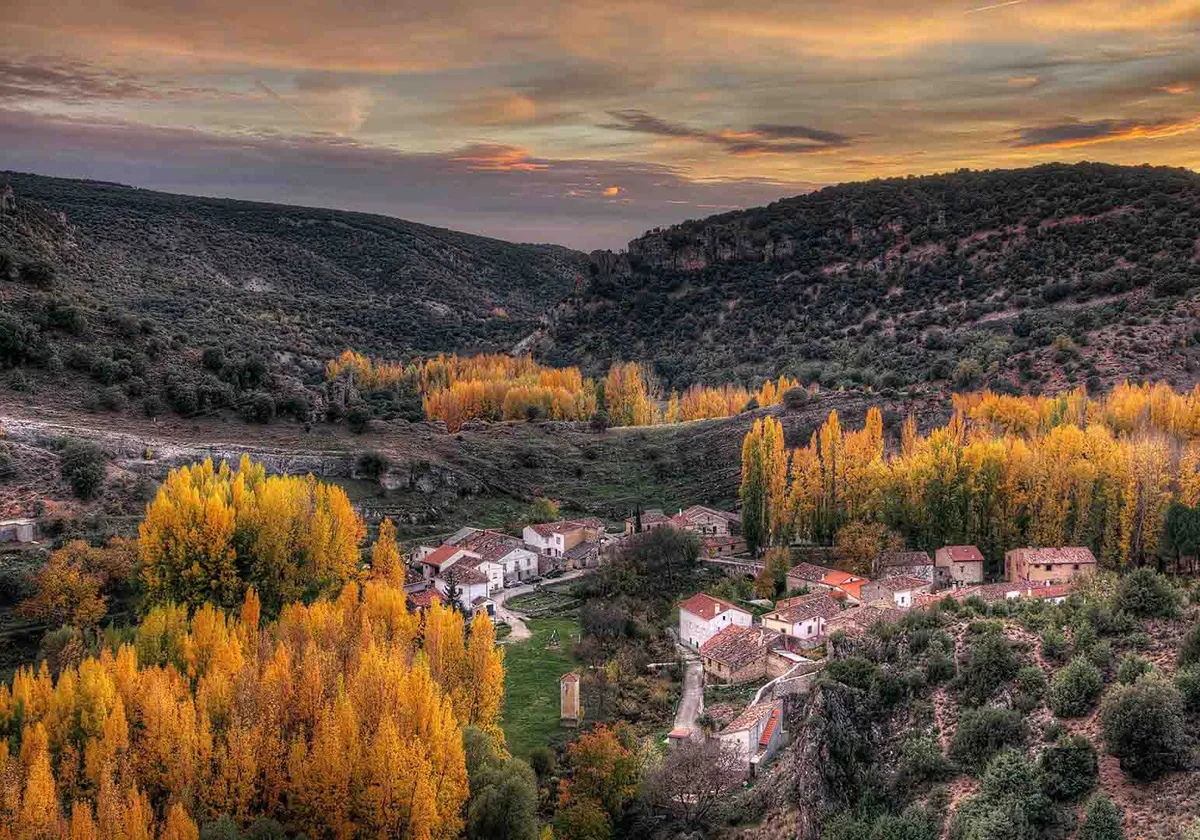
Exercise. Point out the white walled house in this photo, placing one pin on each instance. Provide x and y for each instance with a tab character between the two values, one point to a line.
900	590
756	734
472	584
702	616
554	539
803	617
519	564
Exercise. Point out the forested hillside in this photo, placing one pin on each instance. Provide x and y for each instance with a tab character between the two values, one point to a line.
1033	279
101	284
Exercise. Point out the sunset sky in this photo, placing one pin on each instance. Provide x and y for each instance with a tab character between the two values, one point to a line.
584	122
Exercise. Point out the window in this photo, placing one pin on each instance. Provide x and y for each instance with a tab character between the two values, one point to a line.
1049	568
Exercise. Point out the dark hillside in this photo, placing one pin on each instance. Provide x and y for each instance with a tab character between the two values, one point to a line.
93	275
1035	278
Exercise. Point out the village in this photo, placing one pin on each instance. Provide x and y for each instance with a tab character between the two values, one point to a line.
776	647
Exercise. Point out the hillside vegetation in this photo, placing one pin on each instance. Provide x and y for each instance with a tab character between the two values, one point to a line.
1031	279
114	296
1008	721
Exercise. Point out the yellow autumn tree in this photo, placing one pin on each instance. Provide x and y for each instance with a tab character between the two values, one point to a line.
213	531
385	555
343	717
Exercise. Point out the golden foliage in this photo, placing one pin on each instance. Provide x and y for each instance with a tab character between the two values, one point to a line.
1007	472
497	387
341	717
212	532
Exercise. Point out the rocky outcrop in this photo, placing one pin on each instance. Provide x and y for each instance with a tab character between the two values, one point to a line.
687	248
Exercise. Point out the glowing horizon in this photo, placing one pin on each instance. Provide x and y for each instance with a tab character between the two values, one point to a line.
585	122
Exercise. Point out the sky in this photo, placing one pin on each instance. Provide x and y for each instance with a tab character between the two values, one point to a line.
584	122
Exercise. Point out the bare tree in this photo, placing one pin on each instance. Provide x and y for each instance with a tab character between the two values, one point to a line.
694	777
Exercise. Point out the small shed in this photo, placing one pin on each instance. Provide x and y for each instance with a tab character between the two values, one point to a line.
570	710
18	530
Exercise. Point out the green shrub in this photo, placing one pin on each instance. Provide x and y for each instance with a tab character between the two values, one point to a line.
1054	644
358	418
1187	681
1189	649
83	466
1145	593
1069	768
991	662
983	732
111	398
922	762
1132	667
1102	821
1101	655
372	464
1032	681
543	762
1075	688
1143	726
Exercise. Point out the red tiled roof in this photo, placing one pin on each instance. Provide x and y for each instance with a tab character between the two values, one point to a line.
809	606
425	599
750	716
903	558
565	526
957	554
1055	556
809	572
696	511
707	607
441	554
769	729
863	617
737	647
900	583
464	575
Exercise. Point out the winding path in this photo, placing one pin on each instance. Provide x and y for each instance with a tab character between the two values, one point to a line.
520	630
691	704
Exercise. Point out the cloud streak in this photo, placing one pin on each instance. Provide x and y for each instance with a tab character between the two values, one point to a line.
1074	134
762	139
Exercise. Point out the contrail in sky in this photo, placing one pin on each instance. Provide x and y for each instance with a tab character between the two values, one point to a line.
993	6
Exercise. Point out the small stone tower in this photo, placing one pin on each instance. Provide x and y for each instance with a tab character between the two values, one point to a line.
568	698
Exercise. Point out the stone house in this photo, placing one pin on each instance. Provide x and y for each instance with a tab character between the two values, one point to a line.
18	530
1048	565
808	575
738	654
899	591
756	734
555	539
916	564
803	617
707	522
963	564
652	520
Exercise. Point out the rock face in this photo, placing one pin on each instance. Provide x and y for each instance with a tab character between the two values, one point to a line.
687	248
8	199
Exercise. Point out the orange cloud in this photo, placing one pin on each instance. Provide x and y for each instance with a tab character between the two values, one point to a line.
611	191
487	157
1075	134
1024	81
1176	89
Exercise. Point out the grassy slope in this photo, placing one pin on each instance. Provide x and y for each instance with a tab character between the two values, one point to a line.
531	700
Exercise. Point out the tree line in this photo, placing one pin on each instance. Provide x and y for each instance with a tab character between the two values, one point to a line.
1115	474
497	387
